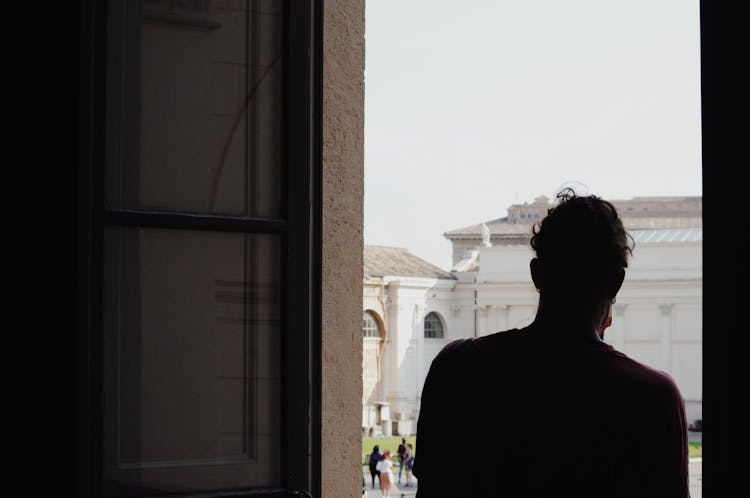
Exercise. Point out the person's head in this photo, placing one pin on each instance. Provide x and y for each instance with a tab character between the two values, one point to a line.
582	250
376	449
403	440
386	454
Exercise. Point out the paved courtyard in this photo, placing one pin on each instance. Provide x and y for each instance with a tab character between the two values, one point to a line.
695	483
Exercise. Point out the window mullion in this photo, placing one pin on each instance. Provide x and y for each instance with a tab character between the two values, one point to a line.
194	221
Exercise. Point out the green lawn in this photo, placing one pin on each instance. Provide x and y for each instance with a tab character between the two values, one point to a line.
695	450
391	444
385	443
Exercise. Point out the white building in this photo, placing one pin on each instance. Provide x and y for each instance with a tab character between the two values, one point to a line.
401	293
412	308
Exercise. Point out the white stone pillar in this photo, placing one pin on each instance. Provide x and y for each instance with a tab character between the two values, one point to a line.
482	319
619	326
503	310
493	319
665	337
418	346
392	307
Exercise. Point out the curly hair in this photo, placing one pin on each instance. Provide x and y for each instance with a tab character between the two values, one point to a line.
581	241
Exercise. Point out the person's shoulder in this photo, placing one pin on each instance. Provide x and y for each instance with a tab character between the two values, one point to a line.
453	362
646	378
482	342
454	350
501	337
467	351
499	344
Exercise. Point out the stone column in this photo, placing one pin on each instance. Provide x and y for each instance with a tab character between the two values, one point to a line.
418	331
665	337
620	326
482	319
503	311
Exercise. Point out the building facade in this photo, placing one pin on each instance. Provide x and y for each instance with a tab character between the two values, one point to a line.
406	316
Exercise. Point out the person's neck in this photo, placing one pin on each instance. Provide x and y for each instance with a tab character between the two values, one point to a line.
568	321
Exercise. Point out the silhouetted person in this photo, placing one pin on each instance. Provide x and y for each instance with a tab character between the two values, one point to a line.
400	451
373	463
408	462
555	410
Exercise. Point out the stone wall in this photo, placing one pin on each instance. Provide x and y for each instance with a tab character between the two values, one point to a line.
343	195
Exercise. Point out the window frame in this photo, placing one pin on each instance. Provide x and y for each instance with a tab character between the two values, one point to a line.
300	232
371	315
439	320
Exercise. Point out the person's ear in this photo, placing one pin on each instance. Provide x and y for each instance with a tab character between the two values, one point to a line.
616	283
537	273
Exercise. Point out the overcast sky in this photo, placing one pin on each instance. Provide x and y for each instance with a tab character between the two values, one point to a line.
476	105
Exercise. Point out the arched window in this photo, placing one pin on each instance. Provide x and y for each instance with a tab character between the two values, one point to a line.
433	326
370	327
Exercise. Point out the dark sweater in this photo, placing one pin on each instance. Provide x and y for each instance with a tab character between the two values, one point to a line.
546	416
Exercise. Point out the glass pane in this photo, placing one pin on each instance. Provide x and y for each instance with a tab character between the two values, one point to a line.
192	361
370	326
196	99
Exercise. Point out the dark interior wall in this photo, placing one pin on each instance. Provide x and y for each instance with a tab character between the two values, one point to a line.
724	291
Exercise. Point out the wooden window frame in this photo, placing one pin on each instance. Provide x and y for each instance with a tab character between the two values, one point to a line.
300	230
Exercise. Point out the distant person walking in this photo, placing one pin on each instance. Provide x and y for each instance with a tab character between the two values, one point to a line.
401	450
521	388
387	486
372	463
408	463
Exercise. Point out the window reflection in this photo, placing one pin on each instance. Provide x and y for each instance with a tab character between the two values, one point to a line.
198	87
192	360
